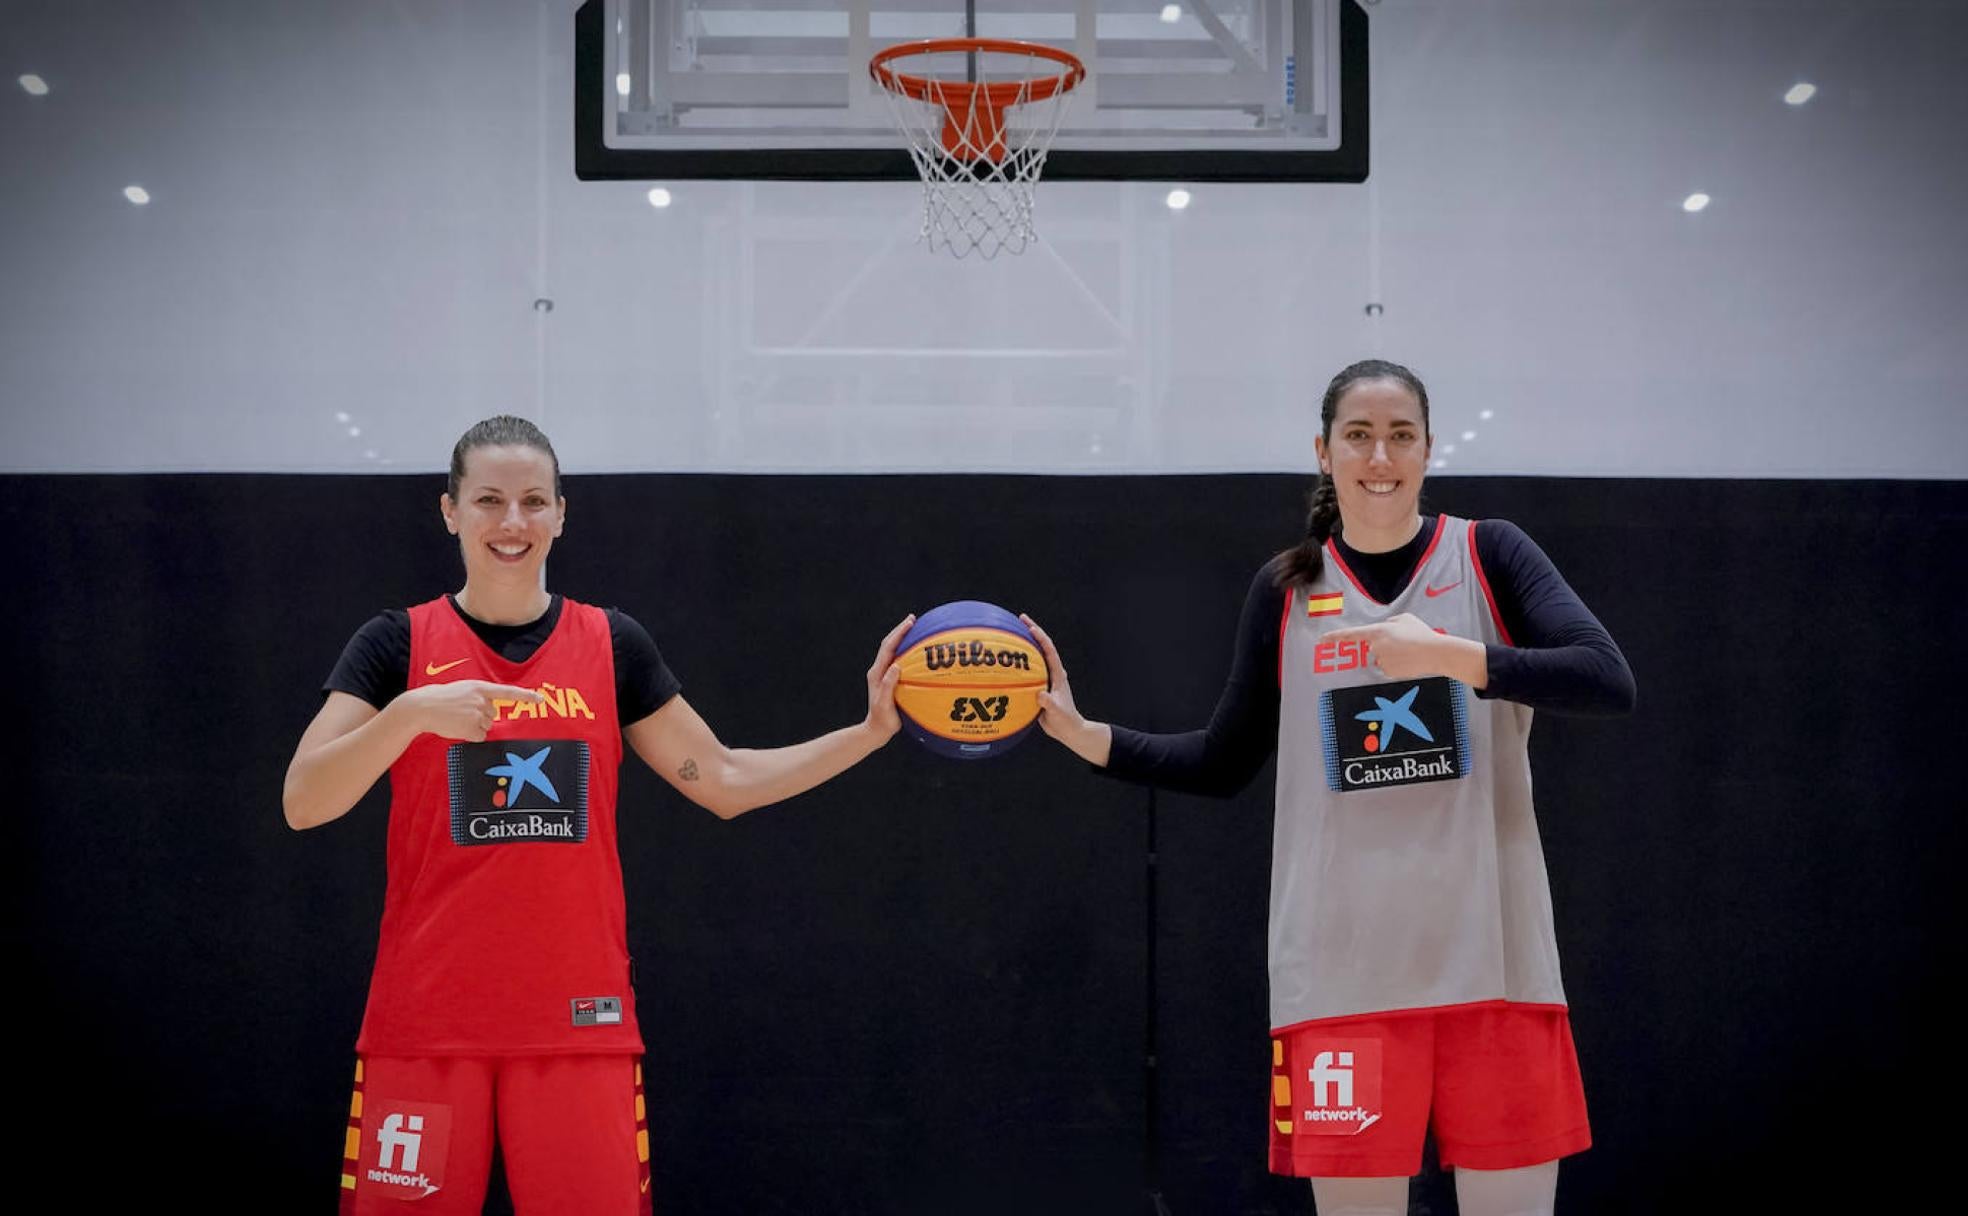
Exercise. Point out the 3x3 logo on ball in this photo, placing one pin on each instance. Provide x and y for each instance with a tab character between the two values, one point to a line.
1400	733
979	709
512	791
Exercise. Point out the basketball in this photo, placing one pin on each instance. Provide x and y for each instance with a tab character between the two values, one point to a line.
970	680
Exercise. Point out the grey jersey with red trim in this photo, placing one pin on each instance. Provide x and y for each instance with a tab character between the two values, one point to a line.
1406	870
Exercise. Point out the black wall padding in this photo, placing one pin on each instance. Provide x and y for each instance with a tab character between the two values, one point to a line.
926	987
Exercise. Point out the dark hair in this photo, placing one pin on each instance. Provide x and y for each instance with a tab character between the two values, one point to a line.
1302	562
498	432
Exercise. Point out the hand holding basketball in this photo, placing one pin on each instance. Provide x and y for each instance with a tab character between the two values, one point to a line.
1058	715
969	675
463	709
882	715
1401	647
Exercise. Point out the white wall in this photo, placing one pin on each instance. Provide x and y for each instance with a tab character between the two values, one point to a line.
355	206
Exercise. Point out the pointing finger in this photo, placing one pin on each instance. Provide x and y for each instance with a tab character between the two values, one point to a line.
1354	633
511	692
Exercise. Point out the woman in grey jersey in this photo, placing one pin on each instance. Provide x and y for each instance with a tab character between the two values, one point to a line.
1393	659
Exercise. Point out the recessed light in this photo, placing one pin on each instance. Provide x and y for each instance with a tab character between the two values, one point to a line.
1694	202
136	194
355	432
1448	449
1486	415
1469	436
1800	93
35	86
621	84
1177	199
1171	13
659	197
342	417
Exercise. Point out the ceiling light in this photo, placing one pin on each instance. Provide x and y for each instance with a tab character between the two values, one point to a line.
621	84
355	432
342	417
1694	202
1178	199
1171	13
136	194
1799	93
1441	464
1448	449
1469	436
1486	415
35	86
659	197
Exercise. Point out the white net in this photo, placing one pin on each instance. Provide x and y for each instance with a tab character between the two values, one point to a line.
979	123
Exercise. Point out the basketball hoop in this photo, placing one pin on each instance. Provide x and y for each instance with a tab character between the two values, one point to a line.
978	131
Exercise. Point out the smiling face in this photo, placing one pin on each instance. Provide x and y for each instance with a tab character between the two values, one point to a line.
506	514
1376	453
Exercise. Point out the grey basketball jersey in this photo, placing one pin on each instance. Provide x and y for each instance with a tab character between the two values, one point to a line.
1406	870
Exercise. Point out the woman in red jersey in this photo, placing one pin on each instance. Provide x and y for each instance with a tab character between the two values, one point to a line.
1392	659
501	1004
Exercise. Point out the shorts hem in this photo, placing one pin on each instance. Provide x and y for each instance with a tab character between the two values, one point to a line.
1384	1165
1516	1155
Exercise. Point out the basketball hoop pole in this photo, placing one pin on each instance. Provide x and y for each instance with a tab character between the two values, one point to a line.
970	31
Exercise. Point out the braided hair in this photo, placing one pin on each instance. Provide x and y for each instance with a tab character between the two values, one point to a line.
1301	563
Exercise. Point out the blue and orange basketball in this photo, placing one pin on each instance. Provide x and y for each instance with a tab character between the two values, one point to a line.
970	682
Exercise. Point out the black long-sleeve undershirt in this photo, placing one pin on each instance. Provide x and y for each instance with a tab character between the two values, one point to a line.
1562	661
375	665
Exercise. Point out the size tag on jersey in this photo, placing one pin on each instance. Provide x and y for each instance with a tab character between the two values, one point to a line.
597	1010
1400	732
516	791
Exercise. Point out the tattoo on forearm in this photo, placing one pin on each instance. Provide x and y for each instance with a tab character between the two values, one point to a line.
689	770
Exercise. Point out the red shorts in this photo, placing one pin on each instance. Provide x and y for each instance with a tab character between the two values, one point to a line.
574	1130
1499	1083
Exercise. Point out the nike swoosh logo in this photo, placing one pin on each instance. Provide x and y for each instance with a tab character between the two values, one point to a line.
1435	591
432	669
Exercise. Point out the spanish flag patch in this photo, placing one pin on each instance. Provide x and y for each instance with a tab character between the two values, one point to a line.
1329	603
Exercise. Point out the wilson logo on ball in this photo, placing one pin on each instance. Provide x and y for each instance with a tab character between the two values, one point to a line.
970	679
939	655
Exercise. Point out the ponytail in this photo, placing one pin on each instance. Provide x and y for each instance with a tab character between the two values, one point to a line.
1301	563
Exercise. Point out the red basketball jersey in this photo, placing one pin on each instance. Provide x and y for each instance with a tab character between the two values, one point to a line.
503	927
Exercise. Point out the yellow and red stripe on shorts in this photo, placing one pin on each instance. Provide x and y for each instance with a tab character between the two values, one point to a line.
352	1145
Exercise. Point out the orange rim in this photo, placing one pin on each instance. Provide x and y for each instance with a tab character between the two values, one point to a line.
999	96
